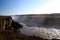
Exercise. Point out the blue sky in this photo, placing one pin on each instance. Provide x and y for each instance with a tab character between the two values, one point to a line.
13	7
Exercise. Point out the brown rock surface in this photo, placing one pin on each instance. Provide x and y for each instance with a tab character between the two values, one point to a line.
12	35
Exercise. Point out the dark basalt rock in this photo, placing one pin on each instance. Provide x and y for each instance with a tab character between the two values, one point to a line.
14	26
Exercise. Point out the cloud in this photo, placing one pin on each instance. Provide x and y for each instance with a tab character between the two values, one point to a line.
51	7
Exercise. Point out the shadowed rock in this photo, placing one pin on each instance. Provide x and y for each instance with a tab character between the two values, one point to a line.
16	25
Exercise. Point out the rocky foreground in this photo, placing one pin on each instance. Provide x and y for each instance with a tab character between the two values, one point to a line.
12	35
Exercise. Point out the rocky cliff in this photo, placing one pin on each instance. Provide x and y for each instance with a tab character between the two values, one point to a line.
7	23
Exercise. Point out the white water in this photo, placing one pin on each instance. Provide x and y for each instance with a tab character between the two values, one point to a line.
30	29
42	32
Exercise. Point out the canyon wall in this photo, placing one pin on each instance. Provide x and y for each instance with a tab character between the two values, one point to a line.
51	19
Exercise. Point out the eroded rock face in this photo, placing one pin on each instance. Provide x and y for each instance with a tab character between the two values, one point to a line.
6	22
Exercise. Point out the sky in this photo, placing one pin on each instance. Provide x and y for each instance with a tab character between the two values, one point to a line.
18	7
